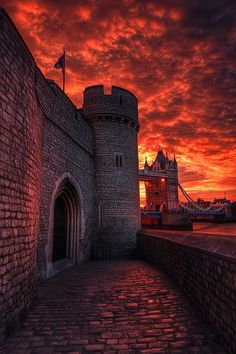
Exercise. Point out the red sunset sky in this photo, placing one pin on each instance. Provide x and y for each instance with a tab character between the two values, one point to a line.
179	59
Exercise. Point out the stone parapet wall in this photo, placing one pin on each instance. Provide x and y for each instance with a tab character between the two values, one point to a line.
204	267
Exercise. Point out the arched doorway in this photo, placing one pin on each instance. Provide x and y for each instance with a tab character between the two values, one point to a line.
66	229
59	249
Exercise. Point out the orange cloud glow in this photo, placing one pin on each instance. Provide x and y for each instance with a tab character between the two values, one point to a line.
179	59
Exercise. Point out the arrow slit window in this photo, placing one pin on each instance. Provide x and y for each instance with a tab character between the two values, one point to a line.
119	161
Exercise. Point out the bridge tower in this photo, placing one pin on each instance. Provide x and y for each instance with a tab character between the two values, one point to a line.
114	118
161	183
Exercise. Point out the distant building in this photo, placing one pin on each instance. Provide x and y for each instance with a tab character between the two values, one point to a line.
233	211
221	201
203	203
225	203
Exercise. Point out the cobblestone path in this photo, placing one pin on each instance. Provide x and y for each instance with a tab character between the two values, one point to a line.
112	307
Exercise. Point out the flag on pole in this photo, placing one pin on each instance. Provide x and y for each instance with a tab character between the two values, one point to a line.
61	64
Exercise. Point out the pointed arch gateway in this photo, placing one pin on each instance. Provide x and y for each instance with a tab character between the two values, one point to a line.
66	226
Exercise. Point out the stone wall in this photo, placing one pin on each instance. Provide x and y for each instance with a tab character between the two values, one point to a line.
67	150
44	141
20	176
204	267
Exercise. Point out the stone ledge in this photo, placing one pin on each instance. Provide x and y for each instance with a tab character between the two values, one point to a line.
222	245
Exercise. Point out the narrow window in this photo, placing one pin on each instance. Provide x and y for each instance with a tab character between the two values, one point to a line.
119	161
121	99
100	215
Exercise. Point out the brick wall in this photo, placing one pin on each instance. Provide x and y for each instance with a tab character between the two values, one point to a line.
204	267
20	176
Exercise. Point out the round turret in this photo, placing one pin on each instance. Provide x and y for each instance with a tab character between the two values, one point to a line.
114	118
120	103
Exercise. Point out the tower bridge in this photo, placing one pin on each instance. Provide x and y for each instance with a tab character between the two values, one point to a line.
161	183
162	192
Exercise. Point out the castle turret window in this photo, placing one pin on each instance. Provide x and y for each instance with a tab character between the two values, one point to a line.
119	161
100	215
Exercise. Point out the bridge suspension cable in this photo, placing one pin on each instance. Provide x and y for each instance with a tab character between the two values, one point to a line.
193	206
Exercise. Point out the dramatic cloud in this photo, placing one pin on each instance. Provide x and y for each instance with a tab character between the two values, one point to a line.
178	57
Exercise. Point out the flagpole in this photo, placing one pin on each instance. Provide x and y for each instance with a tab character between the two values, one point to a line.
64	71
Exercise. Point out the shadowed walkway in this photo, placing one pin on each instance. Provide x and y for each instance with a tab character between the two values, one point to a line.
112	307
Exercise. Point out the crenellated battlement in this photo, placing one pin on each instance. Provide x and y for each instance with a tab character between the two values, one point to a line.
120	103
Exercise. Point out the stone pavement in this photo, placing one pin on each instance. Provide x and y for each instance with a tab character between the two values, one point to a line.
112	307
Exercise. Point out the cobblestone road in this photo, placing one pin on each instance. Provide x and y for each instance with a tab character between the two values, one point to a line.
112	307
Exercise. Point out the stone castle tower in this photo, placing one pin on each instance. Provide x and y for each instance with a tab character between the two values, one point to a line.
114	119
